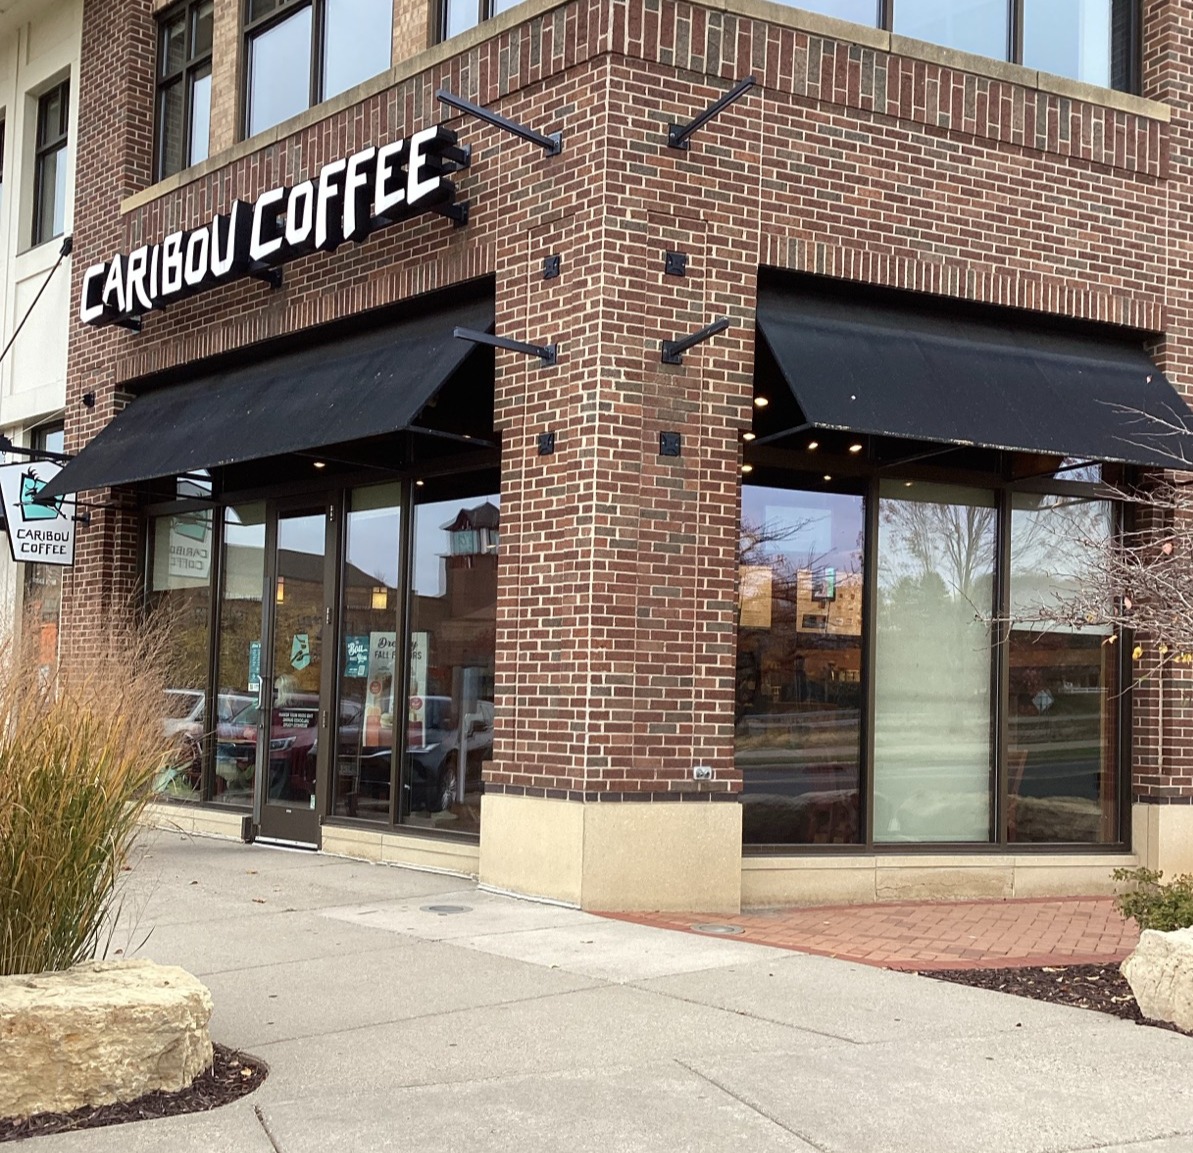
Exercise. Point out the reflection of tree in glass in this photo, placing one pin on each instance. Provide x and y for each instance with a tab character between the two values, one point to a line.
954	542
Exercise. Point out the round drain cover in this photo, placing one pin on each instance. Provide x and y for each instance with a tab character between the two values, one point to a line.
719	930
444	910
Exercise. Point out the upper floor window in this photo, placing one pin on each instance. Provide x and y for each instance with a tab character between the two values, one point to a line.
49	170
184	85
1096	41
457	16
300	52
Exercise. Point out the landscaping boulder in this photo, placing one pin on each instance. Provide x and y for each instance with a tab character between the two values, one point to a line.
103	1031
1160	973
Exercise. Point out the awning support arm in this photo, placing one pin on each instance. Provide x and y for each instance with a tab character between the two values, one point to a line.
672	350
545	352
678	134
551	145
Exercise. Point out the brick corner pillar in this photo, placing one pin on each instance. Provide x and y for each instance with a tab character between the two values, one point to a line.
1161	753
613	785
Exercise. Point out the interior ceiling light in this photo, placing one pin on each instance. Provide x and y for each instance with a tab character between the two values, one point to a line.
761	402
748	436
320	464
747	468
855	448
419	483
827	476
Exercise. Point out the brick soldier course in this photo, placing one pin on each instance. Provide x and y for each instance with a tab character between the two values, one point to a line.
858	156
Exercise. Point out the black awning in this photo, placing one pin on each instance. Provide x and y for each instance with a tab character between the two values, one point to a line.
345	390
897	371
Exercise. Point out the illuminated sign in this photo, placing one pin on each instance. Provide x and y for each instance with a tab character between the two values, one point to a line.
348	200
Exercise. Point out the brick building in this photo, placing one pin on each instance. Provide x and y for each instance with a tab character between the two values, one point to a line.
668	631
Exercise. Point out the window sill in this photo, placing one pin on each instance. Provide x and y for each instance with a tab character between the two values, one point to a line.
413	66
766	10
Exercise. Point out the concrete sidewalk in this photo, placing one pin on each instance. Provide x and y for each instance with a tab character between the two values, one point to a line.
409	1011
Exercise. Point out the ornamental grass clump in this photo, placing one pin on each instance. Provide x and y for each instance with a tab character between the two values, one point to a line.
78	755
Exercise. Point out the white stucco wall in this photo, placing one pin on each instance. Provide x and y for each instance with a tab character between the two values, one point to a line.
39	47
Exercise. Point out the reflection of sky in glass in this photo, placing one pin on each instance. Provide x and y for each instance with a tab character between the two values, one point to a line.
1068	38
357	42
809	528
978	26
373	544
279	75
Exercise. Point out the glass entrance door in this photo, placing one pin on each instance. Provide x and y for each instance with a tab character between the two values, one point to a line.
292	744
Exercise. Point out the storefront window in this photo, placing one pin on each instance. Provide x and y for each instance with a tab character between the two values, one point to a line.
180	575
453	616
1063	706
238	668
43	582
933	663
368	648
799	660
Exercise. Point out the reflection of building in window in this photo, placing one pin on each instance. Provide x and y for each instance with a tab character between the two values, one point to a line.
840	614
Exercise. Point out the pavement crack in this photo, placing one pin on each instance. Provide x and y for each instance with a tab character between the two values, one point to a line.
1141	1143
751	1105
268	1132
747	1014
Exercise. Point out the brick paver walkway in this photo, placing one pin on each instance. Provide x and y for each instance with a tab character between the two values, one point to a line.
934	935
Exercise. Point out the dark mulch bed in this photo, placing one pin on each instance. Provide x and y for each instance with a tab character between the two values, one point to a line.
1100	987
232	1075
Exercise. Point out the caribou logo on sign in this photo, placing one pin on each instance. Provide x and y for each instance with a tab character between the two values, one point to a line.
36	532
348	200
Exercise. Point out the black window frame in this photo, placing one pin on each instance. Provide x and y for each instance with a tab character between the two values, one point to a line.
283	10
1131	65
485	11
186	75
45	146
793	470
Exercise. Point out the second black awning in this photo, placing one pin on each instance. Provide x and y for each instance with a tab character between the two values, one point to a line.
332	393
866	367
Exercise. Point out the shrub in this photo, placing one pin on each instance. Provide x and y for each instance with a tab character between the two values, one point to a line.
1153	904
78	756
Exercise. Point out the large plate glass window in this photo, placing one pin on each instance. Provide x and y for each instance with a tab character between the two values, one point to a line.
180	575
184	85
1062	714
799	666
456	16
452	650
300	52
1096	41
368	654
238	654
933	705
49	176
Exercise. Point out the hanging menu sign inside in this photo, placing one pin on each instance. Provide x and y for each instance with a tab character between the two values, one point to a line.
350	199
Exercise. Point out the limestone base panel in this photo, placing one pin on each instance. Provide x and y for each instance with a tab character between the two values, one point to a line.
390	848
1163	837
818	880
195	819
617	857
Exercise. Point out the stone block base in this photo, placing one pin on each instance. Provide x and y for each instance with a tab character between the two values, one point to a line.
101	1032
616	856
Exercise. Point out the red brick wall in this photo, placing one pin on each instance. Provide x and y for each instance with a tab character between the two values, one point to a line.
616	629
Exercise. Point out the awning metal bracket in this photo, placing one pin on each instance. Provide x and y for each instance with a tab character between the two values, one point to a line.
678	134
551	144
545	352
672	350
